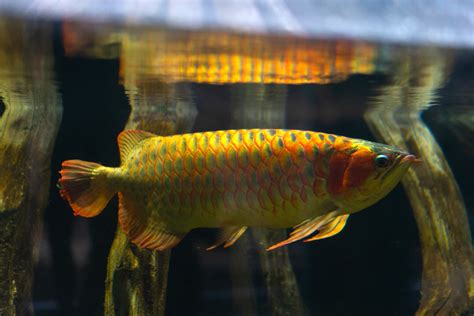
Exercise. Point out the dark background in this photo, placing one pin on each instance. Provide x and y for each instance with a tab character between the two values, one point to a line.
372	268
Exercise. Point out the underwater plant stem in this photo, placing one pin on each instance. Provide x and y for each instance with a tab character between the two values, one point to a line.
242	278
260	106
137	278
282	289
28	127
447	286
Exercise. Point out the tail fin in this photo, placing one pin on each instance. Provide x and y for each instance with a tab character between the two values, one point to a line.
84	185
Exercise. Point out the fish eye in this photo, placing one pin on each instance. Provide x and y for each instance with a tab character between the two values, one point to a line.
382	161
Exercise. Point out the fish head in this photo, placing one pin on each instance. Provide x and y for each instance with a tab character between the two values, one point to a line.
364	172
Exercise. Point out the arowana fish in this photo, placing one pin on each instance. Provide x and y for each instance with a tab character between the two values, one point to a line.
168	185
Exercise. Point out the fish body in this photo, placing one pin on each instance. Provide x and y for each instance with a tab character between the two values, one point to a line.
234	179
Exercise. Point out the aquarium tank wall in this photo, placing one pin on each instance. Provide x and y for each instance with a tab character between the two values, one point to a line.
236	157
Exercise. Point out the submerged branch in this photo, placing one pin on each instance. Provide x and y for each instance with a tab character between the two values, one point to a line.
439	210
264	107
137	278
29	120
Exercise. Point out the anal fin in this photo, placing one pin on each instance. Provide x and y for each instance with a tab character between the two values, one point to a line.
228	236
330	229
306	228
134	224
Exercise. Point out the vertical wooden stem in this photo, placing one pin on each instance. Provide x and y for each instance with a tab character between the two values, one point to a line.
263	106
137	278
447	278
29	121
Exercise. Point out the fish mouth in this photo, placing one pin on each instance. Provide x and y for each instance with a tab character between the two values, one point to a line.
410	159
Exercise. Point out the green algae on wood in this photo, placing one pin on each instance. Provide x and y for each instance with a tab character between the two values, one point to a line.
447	285
260	106
137	278
29	122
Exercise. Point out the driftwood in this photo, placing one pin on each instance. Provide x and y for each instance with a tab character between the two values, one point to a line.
260	106
30	113
447	278
137	278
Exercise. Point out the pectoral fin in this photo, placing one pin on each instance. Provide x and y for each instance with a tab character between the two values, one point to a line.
228	236
306	228
330	229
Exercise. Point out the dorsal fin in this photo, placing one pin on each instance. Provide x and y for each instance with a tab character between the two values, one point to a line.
128	139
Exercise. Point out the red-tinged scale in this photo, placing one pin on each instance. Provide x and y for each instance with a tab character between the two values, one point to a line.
233	180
